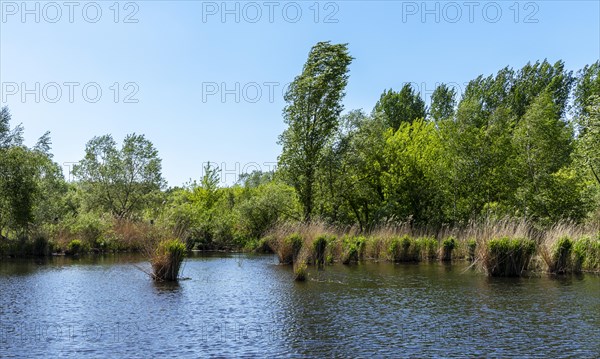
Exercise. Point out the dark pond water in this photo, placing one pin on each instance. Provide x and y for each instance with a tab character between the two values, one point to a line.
248	306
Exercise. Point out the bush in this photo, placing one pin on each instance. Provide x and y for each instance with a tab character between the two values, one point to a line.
506	257
41	246
166	260
75	247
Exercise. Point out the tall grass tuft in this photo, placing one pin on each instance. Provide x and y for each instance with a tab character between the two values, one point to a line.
429	247
166	260
587	249
300	271
404	249
353	249
471	248
558	256
319	246
507	257
448	246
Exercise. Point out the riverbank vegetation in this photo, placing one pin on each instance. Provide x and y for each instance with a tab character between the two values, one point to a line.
489	173
503	247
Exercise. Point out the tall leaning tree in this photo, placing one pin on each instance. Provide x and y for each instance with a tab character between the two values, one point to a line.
314	104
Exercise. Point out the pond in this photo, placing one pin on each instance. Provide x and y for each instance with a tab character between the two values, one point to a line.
236	305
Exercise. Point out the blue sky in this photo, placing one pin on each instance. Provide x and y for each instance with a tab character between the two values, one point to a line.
204	80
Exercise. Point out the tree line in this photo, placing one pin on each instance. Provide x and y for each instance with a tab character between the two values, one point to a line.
521	143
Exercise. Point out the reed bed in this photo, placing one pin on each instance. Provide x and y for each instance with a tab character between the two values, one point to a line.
499	247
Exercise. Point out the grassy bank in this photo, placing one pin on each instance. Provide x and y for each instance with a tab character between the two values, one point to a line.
500	248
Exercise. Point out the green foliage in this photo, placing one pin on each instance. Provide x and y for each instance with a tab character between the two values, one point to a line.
319	246
294	241
120	181
448	245
400	107
508	257
31	184
443	101
314	103
429	247
404	249
587	250
76	247
353	249
561	256
300	271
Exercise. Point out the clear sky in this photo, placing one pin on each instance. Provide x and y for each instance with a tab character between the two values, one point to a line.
204	80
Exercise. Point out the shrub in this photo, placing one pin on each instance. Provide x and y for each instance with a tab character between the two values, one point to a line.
75	247
41	246
448	246
506	257
166	260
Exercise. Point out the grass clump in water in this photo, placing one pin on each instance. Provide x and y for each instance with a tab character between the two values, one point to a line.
404	249
507	257
300	271
353	249
166	260
448	246
559	259
587	249
287	248
319	247
471	247
429	247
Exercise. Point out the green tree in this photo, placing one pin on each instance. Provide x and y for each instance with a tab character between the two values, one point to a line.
587	89
399	107
314	103
544	144
120	181
411	184
32	187
443	101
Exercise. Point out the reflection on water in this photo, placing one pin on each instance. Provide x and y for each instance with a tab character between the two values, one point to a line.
244	305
